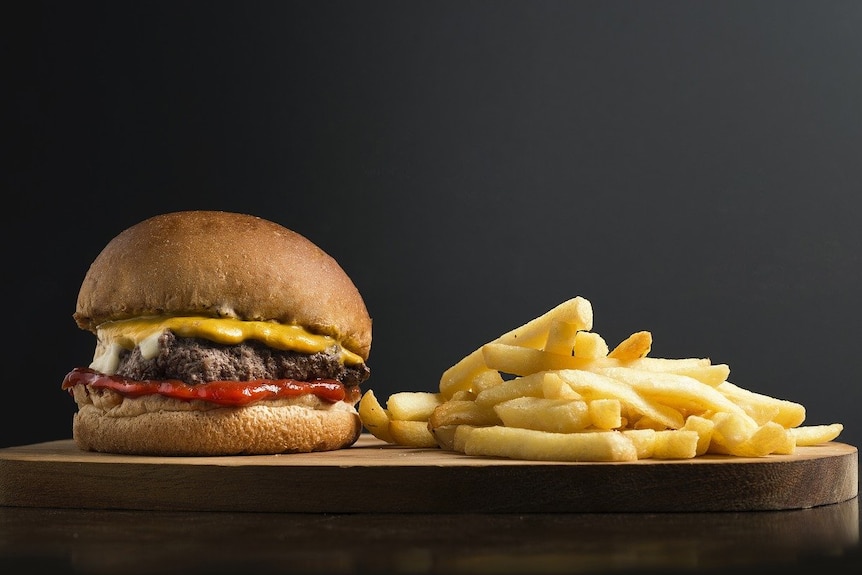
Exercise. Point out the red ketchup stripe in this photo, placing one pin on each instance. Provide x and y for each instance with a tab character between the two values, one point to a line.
233	393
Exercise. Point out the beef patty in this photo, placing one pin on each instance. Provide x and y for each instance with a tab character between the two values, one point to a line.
195	360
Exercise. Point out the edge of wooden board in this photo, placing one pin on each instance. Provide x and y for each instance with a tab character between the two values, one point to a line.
373	477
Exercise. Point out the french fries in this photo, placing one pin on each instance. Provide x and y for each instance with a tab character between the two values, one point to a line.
553	390
533	334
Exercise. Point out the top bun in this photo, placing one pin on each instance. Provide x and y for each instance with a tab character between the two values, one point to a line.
223	264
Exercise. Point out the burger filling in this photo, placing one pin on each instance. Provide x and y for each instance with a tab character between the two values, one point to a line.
198	369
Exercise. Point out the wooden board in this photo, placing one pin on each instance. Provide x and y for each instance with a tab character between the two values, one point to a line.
373	477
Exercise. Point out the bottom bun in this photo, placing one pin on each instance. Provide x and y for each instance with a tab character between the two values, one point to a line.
258	429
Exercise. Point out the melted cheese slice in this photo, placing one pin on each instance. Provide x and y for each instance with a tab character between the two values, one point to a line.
144	332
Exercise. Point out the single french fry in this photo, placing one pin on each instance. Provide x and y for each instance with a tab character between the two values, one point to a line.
697	368
675	444
517	360
518	443
412	405
485	379
790	413
605	413
649	422
527	386
461	375
412	433
712	375
561	337
445	436
556	415
462	412
374	417
667	364
589	344
816	434
635	346
760	411
577	311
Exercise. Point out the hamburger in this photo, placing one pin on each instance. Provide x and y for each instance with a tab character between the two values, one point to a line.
218	333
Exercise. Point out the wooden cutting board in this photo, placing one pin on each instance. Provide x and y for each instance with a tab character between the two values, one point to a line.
373	477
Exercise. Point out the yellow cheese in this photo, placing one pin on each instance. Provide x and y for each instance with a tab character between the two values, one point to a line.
144	332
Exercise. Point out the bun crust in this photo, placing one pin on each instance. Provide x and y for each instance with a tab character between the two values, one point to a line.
258	429
223	264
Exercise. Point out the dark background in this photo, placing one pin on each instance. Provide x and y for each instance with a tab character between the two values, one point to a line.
691	168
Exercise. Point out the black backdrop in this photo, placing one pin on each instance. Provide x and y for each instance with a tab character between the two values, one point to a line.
691	168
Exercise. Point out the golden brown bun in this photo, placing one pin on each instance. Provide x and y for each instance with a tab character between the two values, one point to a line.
258	429
223	264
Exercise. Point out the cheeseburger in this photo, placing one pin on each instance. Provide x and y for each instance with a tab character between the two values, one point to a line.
218	333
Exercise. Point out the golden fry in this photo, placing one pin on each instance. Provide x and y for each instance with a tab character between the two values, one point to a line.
589	344
374	417
517	443
635	346
462	412
699	369
561	337
527	386
534	334
525	361
606	413
556	415
675	444
816	434
486	379
444	435
412	433
459	377
412	405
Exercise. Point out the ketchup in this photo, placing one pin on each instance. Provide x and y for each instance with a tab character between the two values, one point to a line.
232	393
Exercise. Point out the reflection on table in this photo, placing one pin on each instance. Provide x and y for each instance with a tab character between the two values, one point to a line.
98	541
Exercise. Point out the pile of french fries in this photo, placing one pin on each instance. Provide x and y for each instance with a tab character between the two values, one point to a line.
552	390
